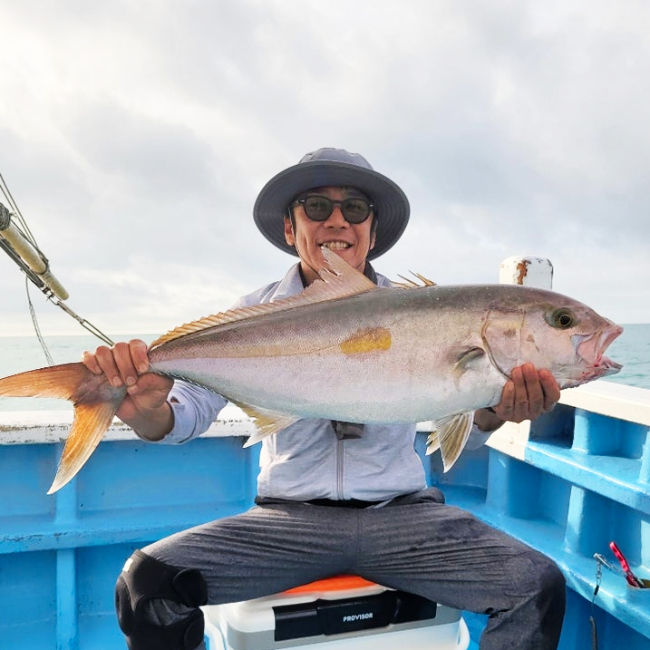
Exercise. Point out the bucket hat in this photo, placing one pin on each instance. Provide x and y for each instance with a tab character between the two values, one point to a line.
332	167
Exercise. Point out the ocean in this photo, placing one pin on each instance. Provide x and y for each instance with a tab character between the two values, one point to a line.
21	353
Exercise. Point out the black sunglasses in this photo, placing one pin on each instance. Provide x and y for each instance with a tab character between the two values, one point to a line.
319	208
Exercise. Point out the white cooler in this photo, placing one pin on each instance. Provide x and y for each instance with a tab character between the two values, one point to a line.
341	613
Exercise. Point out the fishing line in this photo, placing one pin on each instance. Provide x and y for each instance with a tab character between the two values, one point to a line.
37	329
19	243
592	617
17	213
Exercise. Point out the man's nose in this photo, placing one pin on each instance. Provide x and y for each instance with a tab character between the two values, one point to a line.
336	219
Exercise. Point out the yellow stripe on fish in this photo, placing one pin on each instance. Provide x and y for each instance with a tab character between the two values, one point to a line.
368	340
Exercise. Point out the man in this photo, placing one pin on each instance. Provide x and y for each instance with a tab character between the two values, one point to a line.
333	497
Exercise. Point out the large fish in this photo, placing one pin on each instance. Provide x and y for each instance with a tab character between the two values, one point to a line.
347	350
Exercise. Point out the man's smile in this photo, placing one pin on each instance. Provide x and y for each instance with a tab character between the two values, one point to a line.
336	245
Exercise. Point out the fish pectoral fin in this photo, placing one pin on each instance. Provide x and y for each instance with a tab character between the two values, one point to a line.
267	422
467	359
450	437
469	356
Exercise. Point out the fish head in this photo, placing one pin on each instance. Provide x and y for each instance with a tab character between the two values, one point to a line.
550	331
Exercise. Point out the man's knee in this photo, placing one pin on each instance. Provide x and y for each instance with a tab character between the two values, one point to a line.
144	579
550	579
543	581
553	587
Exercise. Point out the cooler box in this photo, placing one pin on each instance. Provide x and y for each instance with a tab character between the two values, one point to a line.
342	613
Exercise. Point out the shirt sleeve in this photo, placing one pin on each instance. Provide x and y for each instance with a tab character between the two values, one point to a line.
195	409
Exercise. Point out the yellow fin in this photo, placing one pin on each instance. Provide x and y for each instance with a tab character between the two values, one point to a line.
61	381
450	437
88	428
95	404
367	340
337	280
433	443
267	422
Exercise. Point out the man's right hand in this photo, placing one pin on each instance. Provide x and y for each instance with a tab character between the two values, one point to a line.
145	406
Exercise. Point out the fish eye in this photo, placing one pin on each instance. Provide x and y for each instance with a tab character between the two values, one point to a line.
562	318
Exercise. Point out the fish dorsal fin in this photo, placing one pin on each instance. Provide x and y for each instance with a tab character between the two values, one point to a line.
337	280
450	437
411	284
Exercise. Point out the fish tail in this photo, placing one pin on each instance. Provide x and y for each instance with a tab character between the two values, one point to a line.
95	404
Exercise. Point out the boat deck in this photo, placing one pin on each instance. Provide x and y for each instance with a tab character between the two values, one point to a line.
575	480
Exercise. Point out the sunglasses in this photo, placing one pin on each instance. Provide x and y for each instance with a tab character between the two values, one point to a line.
319	208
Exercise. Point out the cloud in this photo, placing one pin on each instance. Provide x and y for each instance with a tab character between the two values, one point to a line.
136	136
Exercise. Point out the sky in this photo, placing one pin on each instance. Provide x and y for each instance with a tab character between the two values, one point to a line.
135	137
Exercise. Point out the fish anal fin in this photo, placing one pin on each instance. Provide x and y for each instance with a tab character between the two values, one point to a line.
337	280
433	443
450	437
266	422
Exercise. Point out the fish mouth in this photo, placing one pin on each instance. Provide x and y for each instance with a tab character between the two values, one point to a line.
591	349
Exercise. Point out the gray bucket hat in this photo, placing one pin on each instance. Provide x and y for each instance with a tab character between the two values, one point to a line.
335	167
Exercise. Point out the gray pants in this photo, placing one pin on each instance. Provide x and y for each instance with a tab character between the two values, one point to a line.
415	544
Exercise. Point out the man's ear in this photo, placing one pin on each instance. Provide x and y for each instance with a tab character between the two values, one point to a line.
373	234
289	235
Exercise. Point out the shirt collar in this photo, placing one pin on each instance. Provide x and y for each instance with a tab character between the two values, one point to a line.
290	285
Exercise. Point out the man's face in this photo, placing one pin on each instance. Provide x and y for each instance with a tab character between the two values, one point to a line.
351	241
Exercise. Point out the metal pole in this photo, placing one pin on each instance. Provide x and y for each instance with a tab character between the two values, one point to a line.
528	271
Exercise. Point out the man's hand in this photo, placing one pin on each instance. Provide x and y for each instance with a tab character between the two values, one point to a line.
145	406
528	394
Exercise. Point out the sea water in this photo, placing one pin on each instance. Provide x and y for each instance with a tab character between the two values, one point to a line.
21	353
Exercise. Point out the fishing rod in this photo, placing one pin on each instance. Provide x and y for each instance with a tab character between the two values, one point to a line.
18	242
27	256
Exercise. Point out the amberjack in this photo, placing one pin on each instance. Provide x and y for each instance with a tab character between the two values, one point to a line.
345	349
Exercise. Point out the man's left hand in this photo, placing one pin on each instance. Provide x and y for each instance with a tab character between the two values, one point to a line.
528	394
